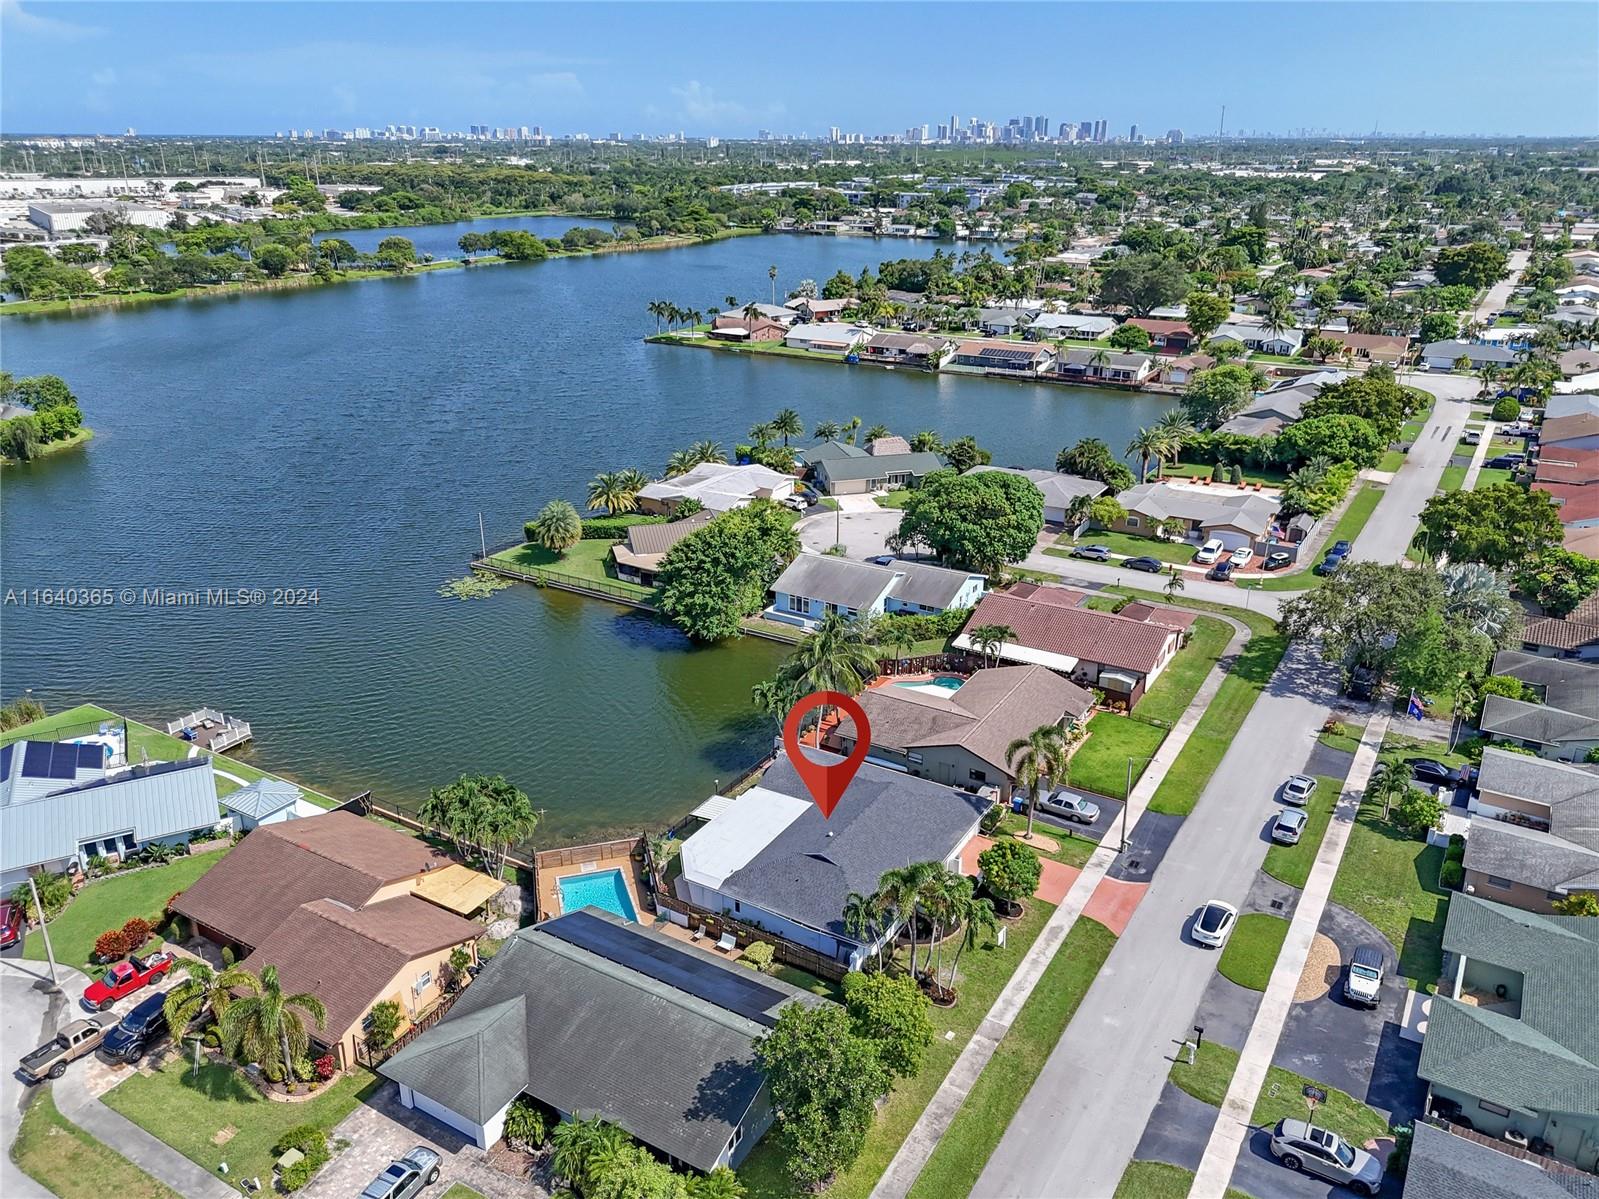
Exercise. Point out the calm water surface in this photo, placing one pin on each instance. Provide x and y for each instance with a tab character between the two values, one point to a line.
347	439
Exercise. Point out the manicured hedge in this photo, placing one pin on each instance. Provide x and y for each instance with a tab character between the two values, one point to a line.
613	528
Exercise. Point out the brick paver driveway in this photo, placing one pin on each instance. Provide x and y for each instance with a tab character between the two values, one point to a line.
380	1130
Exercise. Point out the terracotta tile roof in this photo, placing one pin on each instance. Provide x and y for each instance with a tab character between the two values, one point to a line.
1577	503
1160	328
1045	624
348	958
1561	465
1372	343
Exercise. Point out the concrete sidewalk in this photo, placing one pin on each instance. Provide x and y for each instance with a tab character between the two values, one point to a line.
1235	1120
1477	459
946	1103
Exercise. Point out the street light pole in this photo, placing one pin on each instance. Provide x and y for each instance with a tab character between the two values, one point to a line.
1127	799
44	932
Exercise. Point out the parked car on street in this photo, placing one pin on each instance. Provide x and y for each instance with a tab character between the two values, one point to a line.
11	923
796	502
1298	789
882	560
1363	981
405	1176
1222	571
1210	551
1151	566
50	1060
1289	826
1505	461
1214	924
1431	772
137	1032
1070	806
124	978
1320	1151
1277	560
1329	564
1341	548
1094	553
1363	682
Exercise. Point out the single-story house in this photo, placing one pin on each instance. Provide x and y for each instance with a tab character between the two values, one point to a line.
880	447
345	909
815	584
1083	326
1441	355
1168	337
60	807
719	486
859	475
1121	653
1570	422
733	327
639	555
1567	467
1234	517
595	1016
1001	358
906	349
1447	1165
771	860
827	337
1181	371
1565	724
1579	361
1112	366
1256	337
1575	635
958	736
1578	293
265	801
1063	494
1280	404
1374	347
1002	322
1573	314
1511	1041
1526	867
814	309
779	314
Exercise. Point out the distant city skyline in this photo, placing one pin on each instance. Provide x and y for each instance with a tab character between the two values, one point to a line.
718	70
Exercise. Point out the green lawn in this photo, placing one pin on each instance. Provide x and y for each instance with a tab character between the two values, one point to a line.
71	1164
1158	1180
1348	528
1391	878
1391	461
1016	1064
1179	791
1281	1096
188	1111
894	499
110	902
1187	470
1073	851
1489	475
984	973
1344	736
1129	544
1168	699
1412	430
1291	863
1100	763
1453	478
1252	950
459	1190
588	560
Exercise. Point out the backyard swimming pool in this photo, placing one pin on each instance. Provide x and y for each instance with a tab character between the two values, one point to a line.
603	889
944	686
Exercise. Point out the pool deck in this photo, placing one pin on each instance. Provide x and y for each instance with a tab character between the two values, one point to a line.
550	883
707	943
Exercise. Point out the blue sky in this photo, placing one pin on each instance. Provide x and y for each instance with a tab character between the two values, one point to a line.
733	68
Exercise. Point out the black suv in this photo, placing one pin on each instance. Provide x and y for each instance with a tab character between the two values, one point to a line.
139	1030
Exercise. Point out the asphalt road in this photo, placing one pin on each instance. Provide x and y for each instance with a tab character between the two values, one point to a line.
26	1020
1095	575
1083	1118
1499	294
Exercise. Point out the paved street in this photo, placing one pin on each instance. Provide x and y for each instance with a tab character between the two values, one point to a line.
25	1021
1387	534
1497	296
1081	1122
1095	575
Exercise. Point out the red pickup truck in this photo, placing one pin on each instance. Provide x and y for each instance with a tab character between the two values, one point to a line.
125	978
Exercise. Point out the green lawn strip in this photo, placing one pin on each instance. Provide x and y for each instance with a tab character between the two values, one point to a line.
1452	479
1179	791
1126	543
1349	525
1281	1096
1100	763
187	1111
894	499
1348	740
1291	863
110	902
1159	1180
1400	745
1252	950
807	981
1391	461
1168	699
1391	879
459	1190
1073	851
998	1093
984	973
589	561
1187	470
71	1164
1489	475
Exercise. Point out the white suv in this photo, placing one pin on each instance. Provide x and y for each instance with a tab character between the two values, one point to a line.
1210	551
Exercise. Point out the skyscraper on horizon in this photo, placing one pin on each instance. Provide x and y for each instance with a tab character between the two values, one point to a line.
1099	130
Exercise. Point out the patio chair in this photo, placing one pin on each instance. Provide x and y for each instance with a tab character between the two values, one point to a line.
699	932
728	943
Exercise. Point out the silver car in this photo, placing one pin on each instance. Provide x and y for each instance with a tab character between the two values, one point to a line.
1070	806
1289	826
405	1176
1298	789
1320	1151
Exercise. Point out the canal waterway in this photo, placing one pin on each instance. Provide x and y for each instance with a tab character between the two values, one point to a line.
347	438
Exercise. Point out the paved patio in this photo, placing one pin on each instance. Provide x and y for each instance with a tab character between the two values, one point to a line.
550	904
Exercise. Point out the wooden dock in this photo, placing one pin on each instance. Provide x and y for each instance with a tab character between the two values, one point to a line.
210	729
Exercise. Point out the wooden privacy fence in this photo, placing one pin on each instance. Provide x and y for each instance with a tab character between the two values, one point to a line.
576	855
956	662
370	1058
716	923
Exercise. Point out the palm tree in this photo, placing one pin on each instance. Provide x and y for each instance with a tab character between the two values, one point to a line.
706	451
1174	583
761	434
268	1025
1489	374
1176	431
1389	783
579	1144
1038	756
787	423
731	302
201	989
981	924
657	309
927	442
851	427
874	433
860	917
836	657
771	273
1147	443
826	430
609	490
679	463
896	893
557	527
990	639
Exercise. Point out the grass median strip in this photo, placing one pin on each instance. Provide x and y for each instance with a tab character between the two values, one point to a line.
71	1164
998	1093
1159	1180
1291	863
1252	950
1281	1095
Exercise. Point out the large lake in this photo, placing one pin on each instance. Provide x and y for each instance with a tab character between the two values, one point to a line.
347	438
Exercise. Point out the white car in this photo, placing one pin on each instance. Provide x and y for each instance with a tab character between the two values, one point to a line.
1298	789
1214	924
1209	552
797	503
1241	556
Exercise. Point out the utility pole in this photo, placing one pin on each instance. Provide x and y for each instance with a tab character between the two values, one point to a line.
44	932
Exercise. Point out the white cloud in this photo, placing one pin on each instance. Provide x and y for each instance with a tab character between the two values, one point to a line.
17	19
699	104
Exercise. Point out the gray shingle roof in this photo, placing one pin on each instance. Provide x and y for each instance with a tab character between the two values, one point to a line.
1536	779
1060	490
1566	683
930	586
840	581
262	798
1445	1166
1548	1060
1157	501
1528	856
1539	723
587	1034
875	466
885	820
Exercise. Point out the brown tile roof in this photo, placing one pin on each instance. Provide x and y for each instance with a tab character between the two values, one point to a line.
1568	428
1041	622
348	958
278	867
1560	465
657	539
1192	362
1583	539
1158	328
1577	503
1372	343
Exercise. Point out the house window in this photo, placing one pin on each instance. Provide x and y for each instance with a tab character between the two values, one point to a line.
735	905
1504	884
797	603
110	846
128	843
977	776
738	1136
1132	522
1493	1108
914	759
424	980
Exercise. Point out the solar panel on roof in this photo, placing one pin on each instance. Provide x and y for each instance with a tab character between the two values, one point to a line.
5	761
64	762
683	969
91	757
1008	355
36	760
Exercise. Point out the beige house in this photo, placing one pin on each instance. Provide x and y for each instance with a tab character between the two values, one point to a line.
639	555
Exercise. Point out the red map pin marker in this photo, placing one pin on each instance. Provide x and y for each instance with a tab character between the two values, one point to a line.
826	782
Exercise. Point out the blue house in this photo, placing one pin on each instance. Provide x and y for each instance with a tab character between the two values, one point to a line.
816	584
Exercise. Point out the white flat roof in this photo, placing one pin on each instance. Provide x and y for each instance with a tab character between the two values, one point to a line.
1010	652
741	830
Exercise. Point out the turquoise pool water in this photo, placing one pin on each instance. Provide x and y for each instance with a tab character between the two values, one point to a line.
602	889
938	686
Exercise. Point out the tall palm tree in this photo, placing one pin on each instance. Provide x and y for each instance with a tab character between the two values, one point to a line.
762	433
269	1026
1474	595
874	433
608	490
836	657
752	312
1176	432
201	989
680	462
851	427
1174	583
1147	443
1038	756
826	430
706	451
896	896
787	424
981	925
927	442
657	309
1389	784
1489	374
771	273
990	639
